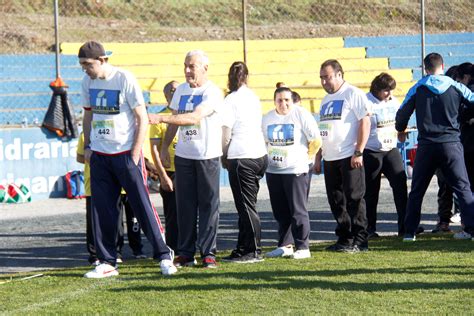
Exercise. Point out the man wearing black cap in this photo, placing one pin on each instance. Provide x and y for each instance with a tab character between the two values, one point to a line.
115	123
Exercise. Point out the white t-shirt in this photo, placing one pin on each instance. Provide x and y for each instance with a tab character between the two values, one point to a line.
383	136
112	101
204	140
339	121
287	138
243	114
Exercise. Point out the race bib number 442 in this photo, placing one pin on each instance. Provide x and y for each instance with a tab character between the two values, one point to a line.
103	129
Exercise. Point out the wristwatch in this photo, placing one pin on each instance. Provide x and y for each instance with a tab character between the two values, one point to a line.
357	153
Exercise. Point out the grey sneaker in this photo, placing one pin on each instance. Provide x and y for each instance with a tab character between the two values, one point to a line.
462	235
409	238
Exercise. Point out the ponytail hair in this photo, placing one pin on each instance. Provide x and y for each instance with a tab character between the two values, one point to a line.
238	74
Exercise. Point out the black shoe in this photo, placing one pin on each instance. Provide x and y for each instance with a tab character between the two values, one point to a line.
340	248
419	230
360	248
373	235
238	257
442	227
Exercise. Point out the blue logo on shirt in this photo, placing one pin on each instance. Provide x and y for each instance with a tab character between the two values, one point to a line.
187	103
331	110
104	101
281	134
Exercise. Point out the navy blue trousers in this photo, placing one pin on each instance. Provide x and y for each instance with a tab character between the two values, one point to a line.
109	174
449	157
288	197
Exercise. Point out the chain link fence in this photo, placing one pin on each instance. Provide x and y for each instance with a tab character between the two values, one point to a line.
27	31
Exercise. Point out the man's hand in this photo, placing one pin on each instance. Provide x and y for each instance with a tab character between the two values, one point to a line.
165	158
356	162
402	136
154	118
87	155
135	158
166	183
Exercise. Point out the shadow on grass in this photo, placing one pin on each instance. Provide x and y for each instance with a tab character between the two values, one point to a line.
292	279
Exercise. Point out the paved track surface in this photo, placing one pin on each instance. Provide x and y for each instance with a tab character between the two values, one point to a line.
50	234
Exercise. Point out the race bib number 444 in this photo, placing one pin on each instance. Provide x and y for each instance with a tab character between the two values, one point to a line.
278	157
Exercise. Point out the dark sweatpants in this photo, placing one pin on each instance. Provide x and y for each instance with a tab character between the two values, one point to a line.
197	196
109	174
345	188
171	217
391	165
244	178
289	204
449	157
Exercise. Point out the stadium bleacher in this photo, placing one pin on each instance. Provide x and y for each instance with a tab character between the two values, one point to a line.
25	93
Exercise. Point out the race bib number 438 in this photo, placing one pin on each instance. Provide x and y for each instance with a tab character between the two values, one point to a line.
190	133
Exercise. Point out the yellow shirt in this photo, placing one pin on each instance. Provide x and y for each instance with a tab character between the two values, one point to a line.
157	132
87	173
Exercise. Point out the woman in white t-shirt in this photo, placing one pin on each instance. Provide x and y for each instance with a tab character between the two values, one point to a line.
245	159
381	154
289	131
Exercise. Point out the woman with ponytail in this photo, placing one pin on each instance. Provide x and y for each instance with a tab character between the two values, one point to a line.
246	160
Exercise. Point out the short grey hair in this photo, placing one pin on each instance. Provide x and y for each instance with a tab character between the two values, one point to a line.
201	54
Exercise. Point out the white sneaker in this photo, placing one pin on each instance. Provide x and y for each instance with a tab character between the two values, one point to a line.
103	270
462	235
456	218
167	267
286	251
302	254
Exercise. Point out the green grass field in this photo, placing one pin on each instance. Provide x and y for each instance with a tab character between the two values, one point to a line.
435	275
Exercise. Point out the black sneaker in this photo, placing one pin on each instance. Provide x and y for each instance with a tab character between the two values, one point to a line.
360	248
420	230
442	227
340	248
238	257
373	235
184	261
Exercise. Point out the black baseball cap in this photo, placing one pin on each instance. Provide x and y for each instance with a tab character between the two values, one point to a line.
93	50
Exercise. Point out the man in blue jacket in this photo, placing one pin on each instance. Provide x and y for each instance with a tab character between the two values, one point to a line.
437	100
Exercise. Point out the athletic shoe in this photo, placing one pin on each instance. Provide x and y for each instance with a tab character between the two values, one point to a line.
456	218
340	248
419	230
301	254
95	263
462	235
184	261
409	238
237	257
119	260
140	256
209	262
360	248
103	270
286	251
442	227
373	235
167	267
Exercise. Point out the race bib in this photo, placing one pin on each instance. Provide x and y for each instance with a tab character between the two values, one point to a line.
190	133
278	157
103	130
387	137
326	131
